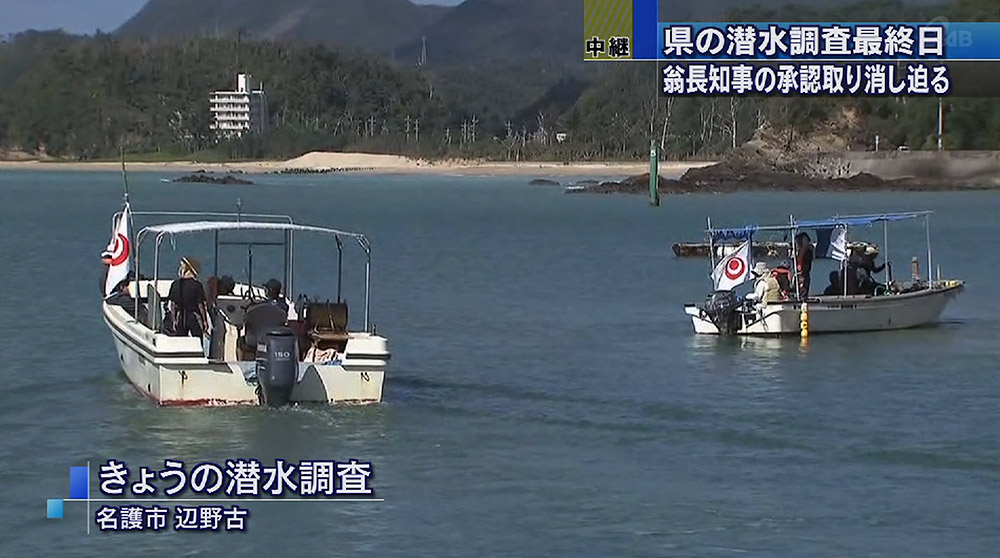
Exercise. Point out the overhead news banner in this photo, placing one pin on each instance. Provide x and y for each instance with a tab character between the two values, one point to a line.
935	58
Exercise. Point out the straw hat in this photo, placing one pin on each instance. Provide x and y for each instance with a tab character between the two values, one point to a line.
759	269
192	265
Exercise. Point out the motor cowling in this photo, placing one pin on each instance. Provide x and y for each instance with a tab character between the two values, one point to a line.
277	365
722	308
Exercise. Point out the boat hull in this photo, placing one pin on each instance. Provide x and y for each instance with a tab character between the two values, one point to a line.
175	371
832	314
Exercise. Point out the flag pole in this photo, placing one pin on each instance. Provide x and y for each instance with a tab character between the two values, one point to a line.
711	245
121	147
134	253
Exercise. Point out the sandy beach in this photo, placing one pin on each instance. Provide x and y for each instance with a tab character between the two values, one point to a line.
368	163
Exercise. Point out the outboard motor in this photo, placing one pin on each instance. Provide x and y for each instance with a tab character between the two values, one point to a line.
277	365
722	308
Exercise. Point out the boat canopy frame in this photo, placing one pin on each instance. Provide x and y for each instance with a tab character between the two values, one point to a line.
280	223
238	216
746	233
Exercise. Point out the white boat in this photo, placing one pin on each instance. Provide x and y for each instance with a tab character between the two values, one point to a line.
322	362
916	303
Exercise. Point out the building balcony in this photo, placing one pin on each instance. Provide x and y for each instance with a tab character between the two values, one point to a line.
230	108
237	98
229	126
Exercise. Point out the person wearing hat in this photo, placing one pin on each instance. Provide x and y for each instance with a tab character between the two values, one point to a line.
765	288
190	308
863	262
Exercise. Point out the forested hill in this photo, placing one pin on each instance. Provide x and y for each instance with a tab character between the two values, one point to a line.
473	32
376	26
82	97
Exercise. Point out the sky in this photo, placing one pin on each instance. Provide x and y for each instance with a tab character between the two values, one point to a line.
82	16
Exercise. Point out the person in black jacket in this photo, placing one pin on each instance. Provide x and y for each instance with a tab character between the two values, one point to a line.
190	306
836	286
863	264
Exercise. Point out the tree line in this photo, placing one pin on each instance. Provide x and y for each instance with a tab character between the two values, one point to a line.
87	97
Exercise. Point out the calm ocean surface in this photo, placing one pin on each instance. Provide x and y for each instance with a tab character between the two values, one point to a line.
546	395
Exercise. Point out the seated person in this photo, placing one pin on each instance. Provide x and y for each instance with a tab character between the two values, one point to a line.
783	275
862	263
836	286
190	311
272	291
226	285
766	288
121	297
273	312
866	284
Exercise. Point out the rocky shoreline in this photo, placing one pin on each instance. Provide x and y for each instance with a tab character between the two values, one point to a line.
711	180
749	169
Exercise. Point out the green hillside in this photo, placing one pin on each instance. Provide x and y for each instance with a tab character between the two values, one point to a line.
81	97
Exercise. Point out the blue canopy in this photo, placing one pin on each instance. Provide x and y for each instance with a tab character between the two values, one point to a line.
858	220
745	232
733	234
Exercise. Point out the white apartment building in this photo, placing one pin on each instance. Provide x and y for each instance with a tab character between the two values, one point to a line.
239	111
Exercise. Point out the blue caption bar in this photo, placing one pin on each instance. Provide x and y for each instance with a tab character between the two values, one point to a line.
79	483
952	41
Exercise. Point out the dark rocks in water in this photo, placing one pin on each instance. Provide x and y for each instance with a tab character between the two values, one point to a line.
202	177
631	185
582	184
543	182
741	176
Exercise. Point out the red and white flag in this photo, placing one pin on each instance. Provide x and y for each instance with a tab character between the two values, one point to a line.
734	269
120	248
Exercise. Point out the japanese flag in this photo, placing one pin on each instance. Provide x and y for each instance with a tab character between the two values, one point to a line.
120	249
734	269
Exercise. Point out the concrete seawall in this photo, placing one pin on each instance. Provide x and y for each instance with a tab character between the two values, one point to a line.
965	166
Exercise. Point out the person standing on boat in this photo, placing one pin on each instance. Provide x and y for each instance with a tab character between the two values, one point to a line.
804	253
187	294
765	288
